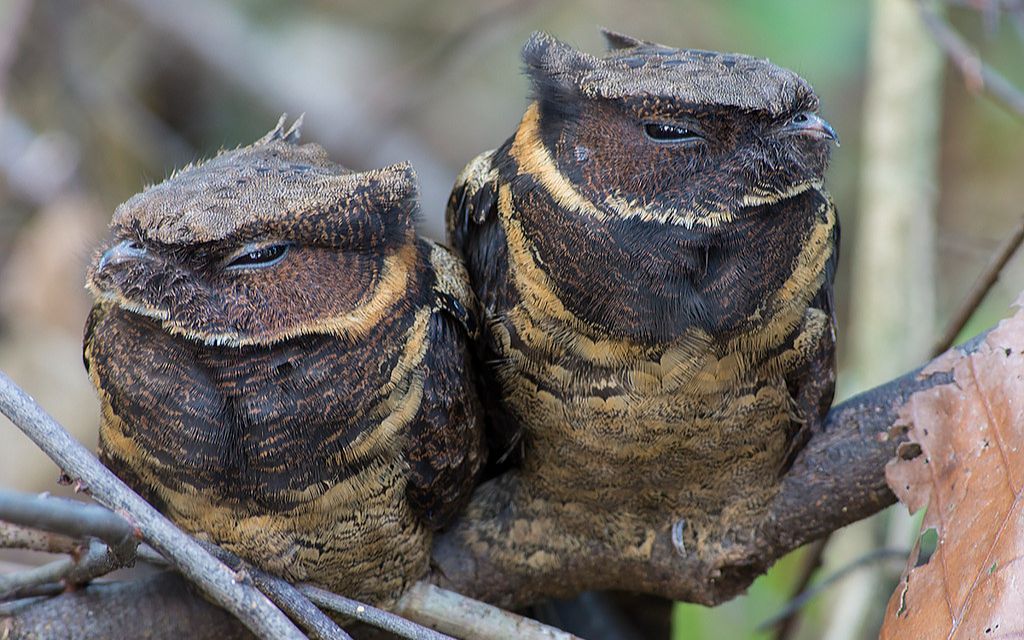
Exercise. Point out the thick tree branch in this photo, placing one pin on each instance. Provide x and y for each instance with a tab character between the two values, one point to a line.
168	608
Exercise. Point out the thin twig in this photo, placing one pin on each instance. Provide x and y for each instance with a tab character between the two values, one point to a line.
282	593
173	610
797	603
980	289
46	589
14	536
978	75
98	559
16	585
369	615
216	580
468	618
992	11
149	555
1001	5
67	517
298	606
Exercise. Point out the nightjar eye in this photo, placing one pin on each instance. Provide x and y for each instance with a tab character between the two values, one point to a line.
257	257
662	132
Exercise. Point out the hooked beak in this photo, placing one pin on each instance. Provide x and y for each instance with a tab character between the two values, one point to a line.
121	252
811	124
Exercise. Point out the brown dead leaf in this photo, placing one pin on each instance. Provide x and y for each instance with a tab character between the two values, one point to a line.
970	474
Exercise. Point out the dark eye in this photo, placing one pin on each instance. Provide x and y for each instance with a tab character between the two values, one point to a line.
661	132
258	257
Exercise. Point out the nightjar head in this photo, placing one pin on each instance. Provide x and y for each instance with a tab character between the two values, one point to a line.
260	244
685	137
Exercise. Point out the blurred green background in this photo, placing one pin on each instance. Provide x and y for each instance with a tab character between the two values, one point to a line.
99	98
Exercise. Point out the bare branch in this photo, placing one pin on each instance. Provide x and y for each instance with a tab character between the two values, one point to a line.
282	593
98	559
67	517
78	519
21	583
977	75
785	623
981	287
467	618
13	536
216	580
370	615
793	606
298	606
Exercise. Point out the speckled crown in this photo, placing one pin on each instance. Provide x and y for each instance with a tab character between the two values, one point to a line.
636	68
276	186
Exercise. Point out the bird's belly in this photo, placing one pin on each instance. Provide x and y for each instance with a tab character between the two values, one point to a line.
359	538
626	436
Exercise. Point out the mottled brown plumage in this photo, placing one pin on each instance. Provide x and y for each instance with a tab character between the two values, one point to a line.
654	253
282	364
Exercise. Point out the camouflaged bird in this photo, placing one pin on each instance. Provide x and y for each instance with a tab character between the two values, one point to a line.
654	253
282	364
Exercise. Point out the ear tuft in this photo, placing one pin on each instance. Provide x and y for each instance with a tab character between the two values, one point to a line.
546	54
290	135
555	69
397	181
616	40
394	191
294	132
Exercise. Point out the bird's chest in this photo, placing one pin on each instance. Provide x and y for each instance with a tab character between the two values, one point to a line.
291	457
265	428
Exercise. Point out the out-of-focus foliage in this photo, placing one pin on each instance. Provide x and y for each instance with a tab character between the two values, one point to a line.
100	97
